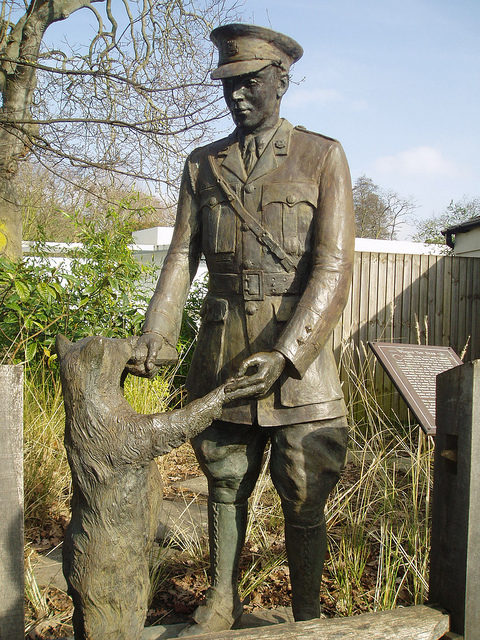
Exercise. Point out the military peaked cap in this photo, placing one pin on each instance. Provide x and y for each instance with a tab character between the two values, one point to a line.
246	48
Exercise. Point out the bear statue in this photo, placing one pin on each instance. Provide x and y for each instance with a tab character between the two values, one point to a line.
116	484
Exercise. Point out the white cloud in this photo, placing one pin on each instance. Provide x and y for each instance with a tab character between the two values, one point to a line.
419	161
297	97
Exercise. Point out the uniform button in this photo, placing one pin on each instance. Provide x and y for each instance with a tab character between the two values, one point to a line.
248	264
250	308
280	144
249	188
212	202
244	227
290	199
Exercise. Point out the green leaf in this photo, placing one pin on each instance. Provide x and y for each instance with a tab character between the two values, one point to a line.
90	289
30	351
45	291
51	359
22	289
14	306
58	288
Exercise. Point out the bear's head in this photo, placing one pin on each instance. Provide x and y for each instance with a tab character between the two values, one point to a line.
94	363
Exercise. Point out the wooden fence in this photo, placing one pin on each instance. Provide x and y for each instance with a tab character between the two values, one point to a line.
419	299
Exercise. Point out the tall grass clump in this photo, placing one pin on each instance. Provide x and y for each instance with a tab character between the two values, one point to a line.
46	473
379	514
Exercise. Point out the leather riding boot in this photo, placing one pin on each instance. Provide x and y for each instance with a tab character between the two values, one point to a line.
227	524
306	548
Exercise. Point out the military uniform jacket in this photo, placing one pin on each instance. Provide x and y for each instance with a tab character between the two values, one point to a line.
300	191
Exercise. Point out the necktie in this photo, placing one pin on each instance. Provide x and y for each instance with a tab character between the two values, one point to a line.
249	154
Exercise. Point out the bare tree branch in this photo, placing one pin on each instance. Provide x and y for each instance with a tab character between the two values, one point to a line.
132	100
378	213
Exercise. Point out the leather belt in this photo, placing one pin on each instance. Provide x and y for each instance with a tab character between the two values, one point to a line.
253	284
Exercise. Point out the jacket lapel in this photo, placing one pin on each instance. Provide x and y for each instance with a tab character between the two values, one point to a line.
272	157
274	153
231	159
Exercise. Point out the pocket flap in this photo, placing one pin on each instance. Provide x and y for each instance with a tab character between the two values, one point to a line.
211	197
284	307
290	193
214	310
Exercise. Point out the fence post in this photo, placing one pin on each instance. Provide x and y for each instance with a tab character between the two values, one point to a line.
455	550
11	503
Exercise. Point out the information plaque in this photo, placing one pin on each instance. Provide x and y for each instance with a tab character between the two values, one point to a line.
413	369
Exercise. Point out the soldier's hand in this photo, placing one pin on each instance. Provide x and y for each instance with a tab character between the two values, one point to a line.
266	367
144	356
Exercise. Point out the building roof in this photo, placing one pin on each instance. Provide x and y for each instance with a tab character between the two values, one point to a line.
463	227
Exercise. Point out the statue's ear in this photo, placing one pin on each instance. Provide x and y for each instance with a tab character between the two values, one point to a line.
283	83
62	345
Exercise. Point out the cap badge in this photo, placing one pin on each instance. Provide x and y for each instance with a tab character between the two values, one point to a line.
231	48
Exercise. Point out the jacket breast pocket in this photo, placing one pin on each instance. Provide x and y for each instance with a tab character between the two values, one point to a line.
218	222
288	209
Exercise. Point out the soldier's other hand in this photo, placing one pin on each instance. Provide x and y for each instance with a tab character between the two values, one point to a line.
266	367
145	352
233	392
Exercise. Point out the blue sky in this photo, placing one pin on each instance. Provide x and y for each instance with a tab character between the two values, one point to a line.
397	82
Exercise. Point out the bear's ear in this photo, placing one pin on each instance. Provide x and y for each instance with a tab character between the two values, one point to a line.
62	345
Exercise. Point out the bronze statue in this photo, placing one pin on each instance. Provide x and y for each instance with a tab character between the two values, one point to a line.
117	489
270	207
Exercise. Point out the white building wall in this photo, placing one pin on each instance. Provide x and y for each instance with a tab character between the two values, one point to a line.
399	246
467	244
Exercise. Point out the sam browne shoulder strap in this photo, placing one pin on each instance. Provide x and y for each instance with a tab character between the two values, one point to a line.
259	232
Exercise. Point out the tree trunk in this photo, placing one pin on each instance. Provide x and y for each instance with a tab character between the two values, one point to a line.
10	220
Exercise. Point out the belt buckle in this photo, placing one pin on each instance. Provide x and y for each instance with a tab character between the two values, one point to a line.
252	284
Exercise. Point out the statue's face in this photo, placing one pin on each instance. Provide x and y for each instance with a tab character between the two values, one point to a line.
254	98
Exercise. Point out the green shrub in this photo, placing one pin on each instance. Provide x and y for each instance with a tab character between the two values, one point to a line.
101	290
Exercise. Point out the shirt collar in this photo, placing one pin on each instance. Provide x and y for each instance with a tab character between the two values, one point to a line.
262	139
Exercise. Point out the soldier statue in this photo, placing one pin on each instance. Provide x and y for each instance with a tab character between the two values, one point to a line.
270	207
